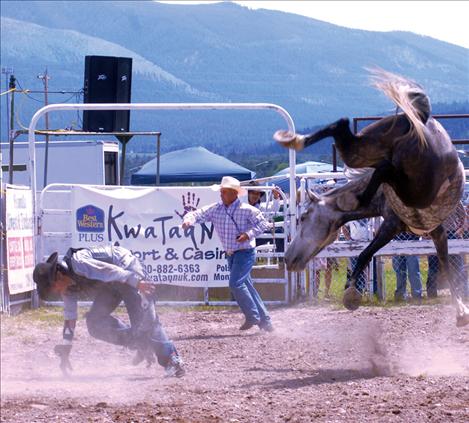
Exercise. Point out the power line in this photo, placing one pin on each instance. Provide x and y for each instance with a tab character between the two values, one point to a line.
54	92
45	79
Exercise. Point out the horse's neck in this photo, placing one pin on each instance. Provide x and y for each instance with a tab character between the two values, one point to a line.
344	199
355	186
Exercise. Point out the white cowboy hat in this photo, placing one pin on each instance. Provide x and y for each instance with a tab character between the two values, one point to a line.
230	183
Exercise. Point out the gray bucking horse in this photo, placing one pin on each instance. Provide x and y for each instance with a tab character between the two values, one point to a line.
411	175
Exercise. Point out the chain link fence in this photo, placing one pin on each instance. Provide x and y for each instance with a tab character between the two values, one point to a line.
405	277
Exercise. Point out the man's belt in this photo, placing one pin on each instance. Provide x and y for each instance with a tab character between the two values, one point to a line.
231	252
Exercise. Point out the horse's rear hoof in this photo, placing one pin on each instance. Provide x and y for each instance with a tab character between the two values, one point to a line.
289	140
284	137
352	298
462	320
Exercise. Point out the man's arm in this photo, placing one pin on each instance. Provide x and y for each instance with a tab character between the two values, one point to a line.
201	215
275	204
64	348
259	224
270	208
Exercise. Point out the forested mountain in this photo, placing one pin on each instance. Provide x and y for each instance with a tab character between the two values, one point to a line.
220	53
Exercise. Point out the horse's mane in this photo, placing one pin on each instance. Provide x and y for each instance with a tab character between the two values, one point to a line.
408	96
344	197
357	181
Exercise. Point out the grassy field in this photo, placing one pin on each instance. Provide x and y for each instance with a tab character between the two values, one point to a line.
338	278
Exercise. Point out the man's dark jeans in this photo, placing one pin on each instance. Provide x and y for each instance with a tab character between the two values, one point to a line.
432	288
101	325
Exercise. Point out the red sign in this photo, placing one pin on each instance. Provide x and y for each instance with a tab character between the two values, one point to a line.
15	253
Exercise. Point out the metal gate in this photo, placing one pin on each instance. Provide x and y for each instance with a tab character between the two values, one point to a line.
51	214
57	231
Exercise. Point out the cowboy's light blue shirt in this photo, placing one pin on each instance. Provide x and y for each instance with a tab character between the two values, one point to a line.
231	221
120	266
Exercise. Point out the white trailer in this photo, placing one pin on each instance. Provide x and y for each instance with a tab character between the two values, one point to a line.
75	162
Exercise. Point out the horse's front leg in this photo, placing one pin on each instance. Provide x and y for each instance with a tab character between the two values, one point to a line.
440	240
390	227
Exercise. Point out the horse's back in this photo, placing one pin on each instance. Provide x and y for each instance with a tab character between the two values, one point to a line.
438	140
437	168
440	152
419	165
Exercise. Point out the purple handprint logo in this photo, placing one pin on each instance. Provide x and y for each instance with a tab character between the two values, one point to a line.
189	203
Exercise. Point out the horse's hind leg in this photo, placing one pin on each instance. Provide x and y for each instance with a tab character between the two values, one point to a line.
440	240
340	128
390	227
354	152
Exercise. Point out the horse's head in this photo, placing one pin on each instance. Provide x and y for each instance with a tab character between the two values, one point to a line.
318	228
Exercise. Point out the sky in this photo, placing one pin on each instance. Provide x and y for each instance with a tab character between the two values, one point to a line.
443	20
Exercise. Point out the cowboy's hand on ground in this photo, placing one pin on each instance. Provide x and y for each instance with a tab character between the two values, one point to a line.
63	351
146	288
144	354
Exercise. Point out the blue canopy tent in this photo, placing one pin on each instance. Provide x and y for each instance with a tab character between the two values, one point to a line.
301	168
195	164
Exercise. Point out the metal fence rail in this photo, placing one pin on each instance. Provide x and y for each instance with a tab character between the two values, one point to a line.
400	251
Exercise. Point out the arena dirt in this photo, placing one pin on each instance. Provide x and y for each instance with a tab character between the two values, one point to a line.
324	364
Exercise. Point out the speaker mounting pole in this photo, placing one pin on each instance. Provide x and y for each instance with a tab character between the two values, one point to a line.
123	139
158	147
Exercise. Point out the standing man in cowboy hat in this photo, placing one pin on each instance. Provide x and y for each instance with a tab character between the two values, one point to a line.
255	197
268	209
237	225
113	274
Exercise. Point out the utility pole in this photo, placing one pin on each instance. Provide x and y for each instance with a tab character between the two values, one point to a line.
45	79
7	72
12	87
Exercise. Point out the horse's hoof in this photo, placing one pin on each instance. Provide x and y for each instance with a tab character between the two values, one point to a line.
284	136
462	320
288	139
352	298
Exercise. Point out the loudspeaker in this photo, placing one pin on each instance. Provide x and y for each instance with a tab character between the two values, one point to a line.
107	80
123	88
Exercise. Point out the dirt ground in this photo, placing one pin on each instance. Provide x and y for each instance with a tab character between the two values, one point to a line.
399	364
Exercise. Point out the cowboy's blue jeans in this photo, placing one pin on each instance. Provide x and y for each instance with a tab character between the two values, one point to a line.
247	297
458	272
407	266
432	287
101	325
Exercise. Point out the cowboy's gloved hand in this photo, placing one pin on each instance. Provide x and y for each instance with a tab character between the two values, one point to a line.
144	354
146	288
63	351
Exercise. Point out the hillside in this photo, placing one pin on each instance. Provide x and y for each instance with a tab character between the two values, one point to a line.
224	53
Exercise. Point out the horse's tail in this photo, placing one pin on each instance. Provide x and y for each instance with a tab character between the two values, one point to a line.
408	96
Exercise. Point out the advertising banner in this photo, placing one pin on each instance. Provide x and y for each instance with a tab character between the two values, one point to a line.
19	240
148	222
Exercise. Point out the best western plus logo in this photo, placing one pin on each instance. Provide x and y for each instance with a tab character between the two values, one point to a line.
90	223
